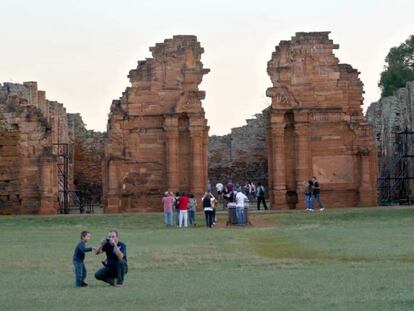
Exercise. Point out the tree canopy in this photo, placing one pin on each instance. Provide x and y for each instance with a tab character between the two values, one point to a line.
399	67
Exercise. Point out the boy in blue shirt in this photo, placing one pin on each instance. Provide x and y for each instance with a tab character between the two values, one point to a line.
79	257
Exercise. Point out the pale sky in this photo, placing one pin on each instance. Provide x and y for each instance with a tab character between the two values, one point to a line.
80	51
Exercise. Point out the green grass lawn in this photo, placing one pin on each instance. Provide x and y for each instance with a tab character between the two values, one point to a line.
353	259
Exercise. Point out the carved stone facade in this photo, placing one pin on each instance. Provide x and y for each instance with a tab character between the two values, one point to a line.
316	126
157	132
29	126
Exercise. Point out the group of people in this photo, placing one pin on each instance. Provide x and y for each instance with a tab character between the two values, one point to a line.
184	207
227	193
312	194
115	265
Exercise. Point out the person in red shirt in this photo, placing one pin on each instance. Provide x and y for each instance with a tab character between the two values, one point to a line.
183	206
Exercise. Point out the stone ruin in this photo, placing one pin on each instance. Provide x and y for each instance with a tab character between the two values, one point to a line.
241	155
389	116
157	135
157	132
316	126
30	159
29	125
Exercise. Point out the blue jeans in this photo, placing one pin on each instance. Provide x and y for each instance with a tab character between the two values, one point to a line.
168	218
317	198
80	272
191	217
240	215
177	216
308	201
108	274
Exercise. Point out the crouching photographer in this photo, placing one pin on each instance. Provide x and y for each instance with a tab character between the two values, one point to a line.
115	265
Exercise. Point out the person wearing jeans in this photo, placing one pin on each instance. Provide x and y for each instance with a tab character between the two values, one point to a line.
308	195
116	265
208	208
241	198
317	193
167	202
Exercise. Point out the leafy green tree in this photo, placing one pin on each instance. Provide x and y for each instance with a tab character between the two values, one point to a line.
399	67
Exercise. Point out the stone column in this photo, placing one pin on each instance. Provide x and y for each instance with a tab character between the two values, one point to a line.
172	136
113	195
303	168
365	189
278	166
197	154
48	201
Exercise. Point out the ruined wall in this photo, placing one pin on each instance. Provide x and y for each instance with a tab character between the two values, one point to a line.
316	126
88	157
389	116
157	132
29	126
241	155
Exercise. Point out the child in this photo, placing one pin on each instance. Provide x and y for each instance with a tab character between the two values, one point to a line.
78	258
192	210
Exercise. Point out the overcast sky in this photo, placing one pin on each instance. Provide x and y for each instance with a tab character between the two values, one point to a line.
81	51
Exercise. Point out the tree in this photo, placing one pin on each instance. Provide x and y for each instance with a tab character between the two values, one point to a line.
399	68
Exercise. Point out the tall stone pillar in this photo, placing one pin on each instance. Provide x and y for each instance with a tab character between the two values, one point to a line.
303	168
172	136
279	166
365	189
48	201
197	171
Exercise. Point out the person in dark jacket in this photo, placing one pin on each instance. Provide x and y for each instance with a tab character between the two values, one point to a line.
116	265
79	257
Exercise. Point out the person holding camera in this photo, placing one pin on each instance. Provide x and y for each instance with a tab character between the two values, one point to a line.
115	266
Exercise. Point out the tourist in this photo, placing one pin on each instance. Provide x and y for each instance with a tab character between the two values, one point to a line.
308	195
317	193
168	202
208	209
116	265
260	196
253	191
192	207
230	186
183	206
208	186
241	198
219	189
226	197
176	202
214	205
79	257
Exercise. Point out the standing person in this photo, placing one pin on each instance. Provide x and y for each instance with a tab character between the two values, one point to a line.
308	195
176	202
226	197
253	191
219	189
183	206
79	257
208	209
241	198
192	206
213	205
208	186
168	202
317	193
116	264
230	186
260	196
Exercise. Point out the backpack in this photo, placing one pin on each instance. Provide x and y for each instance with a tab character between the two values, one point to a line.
260	191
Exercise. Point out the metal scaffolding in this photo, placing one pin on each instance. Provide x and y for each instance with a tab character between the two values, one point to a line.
395	182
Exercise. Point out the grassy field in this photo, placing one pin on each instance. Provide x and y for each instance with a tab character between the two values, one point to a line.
354	259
